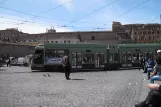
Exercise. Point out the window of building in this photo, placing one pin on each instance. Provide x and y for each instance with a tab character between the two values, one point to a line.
153	32
64	41
68	41
52	42
149	37
56	41
92	37
144	33
157	32
149	28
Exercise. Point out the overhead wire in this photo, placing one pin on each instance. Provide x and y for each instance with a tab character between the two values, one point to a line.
52	9
3	1
84	15
95	11
58	26
128	11
35	15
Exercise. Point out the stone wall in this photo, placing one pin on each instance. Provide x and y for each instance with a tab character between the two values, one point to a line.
15	50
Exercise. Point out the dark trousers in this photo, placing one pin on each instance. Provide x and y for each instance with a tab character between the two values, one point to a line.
67	72
153	99
8	64
141	66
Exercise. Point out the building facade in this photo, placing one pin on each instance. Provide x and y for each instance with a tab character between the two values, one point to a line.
146	33
128	33
138	33
71	37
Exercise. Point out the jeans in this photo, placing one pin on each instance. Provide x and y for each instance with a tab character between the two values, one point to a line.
156	77
149	70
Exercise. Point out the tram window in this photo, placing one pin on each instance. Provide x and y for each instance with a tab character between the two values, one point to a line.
124	58
74	59
111	57
38	57
129	58
135	57
101	59
51	53
88	57
79	59
61	53
116	56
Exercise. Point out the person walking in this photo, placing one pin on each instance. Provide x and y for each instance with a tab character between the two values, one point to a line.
8	62
66	65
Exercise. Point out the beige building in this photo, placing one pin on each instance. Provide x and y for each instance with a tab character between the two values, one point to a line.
139	33
72	37
146	33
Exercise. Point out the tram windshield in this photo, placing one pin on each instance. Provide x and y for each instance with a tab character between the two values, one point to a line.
38	57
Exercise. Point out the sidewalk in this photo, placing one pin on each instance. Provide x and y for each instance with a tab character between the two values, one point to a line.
145	89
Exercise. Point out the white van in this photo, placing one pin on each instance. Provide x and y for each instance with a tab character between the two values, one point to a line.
21	61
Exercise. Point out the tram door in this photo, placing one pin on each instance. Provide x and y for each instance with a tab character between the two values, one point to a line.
99	61
76	60
126	59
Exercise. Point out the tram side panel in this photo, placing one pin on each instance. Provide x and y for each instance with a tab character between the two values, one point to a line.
88	58
130	56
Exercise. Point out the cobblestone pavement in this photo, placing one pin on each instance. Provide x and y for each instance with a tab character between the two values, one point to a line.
19	87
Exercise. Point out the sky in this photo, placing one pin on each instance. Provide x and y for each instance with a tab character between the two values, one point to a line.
34	16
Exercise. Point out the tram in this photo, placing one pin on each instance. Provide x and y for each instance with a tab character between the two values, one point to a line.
91	56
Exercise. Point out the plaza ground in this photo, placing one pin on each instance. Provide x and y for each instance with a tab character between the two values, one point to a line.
19	87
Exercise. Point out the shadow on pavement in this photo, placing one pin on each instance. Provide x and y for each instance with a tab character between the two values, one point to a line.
75	71
77	79
2	69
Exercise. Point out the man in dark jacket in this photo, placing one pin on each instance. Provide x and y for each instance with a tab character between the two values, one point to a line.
66	65
154	97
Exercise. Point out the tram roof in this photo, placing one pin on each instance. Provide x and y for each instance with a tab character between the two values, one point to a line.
51	45
140	45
